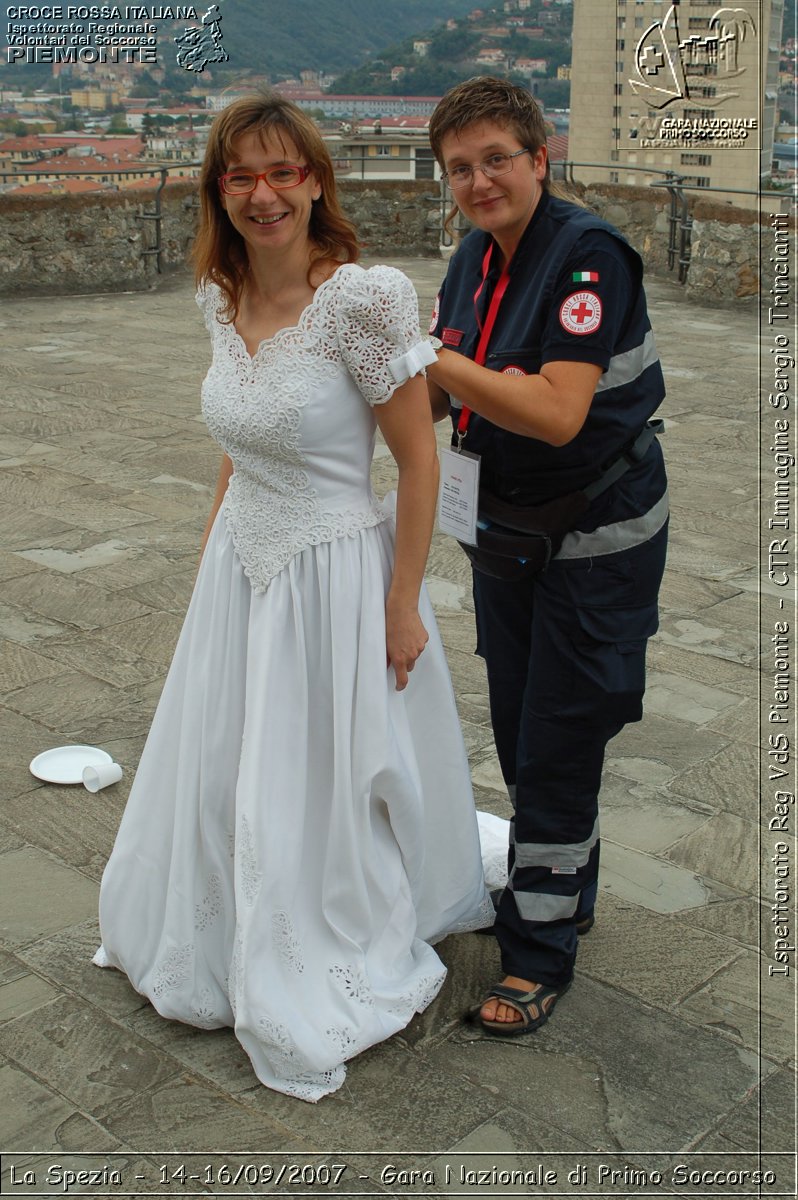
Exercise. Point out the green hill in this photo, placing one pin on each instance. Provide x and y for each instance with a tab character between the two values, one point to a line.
452	56
324	35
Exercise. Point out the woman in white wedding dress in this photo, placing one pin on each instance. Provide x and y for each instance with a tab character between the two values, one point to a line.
301	826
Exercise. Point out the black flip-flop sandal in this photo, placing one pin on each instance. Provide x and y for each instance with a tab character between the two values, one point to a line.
534	1008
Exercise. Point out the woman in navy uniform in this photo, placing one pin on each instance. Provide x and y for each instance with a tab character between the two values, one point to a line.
549	369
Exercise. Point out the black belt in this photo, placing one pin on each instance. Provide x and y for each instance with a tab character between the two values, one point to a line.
539	517
522	541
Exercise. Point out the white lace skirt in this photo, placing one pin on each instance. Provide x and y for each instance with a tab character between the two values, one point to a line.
298	832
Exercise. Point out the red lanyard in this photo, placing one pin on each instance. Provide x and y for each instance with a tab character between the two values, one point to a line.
485	330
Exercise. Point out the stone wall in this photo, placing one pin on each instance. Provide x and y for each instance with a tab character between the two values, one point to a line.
725	256
641	215
395	218
81	244
60	245
51	245
724	241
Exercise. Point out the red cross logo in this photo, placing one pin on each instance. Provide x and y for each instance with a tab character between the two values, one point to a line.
581	313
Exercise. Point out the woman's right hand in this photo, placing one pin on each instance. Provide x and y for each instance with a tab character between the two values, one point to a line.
405	639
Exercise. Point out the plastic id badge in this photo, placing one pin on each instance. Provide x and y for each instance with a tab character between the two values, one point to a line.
458	495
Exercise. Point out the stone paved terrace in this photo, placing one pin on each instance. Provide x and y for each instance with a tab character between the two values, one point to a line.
673	1040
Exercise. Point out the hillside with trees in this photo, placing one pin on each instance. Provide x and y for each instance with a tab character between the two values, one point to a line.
321	35
451	54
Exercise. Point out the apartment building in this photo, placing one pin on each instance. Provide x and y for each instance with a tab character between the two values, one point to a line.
383	153
689	87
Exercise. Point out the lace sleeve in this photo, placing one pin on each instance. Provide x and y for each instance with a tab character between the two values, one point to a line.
378	329
207	299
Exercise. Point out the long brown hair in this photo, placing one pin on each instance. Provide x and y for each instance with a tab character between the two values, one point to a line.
219	251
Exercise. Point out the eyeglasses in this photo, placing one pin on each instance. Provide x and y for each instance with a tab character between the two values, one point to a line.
491	168
239	183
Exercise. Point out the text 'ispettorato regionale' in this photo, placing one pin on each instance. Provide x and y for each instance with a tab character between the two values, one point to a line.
69	33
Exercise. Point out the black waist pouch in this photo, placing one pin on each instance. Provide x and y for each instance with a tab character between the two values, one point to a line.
516	543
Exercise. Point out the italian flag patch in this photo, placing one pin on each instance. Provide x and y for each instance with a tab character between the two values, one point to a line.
585	277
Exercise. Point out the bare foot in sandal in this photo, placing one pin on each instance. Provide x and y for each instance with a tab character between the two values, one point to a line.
495	1010
510	1010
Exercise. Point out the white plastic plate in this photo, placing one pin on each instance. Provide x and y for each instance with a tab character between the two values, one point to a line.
64	764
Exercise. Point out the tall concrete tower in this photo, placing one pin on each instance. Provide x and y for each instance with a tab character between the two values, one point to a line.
689	87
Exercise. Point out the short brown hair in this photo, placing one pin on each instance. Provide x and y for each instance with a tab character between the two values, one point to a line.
219	250
486	98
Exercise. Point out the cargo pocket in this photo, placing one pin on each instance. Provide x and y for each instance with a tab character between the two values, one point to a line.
610	648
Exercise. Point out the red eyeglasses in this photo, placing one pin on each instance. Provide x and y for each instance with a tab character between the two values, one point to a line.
239	183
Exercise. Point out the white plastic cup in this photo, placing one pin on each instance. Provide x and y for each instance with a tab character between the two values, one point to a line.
101	776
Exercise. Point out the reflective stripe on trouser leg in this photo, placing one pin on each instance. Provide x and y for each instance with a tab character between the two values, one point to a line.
536	919
542	906
556	854
557	857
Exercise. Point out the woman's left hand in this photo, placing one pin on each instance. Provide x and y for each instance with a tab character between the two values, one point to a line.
405	639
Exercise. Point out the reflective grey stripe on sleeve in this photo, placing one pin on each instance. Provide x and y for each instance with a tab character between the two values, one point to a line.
511	792
609	539
544	854
625	368
541	906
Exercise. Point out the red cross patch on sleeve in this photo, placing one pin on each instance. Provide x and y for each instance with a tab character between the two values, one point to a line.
581	313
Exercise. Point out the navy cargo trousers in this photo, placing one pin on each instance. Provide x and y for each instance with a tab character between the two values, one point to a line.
565	654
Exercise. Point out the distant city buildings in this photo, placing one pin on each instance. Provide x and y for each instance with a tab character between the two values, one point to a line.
397	149
343	107
46	163
392	153
67	163
531	66
95	99
649	79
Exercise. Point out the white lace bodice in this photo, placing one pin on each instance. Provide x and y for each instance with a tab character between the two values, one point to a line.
296	418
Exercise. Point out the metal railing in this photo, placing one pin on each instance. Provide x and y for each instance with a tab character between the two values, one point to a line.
157	216
679	219
680	223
